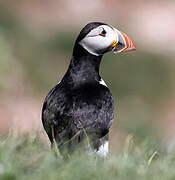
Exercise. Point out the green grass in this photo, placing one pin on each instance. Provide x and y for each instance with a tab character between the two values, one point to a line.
26	157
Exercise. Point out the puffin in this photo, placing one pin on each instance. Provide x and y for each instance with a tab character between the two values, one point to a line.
78	112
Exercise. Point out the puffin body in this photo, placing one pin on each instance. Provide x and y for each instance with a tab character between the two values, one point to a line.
81	107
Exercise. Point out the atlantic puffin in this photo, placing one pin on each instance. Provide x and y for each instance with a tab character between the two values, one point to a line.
80	106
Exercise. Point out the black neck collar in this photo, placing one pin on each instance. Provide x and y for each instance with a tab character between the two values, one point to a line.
83	68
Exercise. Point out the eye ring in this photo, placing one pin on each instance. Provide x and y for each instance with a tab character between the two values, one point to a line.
103	33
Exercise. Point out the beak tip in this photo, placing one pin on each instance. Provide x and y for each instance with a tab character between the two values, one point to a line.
134	48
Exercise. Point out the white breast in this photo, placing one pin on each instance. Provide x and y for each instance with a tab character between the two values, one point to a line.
102	82
103	150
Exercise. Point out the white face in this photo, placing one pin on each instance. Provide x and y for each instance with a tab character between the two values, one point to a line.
99	40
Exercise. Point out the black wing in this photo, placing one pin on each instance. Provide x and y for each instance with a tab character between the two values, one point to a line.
54	112
70	111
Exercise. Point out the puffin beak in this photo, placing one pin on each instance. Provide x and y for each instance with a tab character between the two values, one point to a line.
124	43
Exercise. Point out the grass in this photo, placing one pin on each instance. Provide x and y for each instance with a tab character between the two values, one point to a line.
26	157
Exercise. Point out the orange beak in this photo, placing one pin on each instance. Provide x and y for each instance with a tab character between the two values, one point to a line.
129	43
124	43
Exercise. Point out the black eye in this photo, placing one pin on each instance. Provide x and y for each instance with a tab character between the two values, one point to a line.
103	33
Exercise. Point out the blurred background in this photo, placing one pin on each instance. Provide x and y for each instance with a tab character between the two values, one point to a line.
36	42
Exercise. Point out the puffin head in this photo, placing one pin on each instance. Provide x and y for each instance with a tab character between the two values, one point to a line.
98	38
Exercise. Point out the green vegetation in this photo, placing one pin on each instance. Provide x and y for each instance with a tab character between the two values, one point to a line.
142	84
27	157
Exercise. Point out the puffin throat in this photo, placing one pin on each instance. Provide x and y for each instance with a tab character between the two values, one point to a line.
83	68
